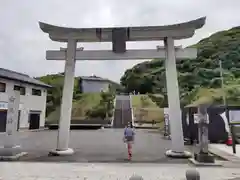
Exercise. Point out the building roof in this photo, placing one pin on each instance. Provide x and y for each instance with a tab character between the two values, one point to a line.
141	33
13	75
93	78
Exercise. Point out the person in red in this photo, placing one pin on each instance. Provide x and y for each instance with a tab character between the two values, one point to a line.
129	135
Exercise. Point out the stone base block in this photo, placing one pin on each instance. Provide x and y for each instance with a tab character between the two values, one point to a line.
204	158
11	154
57	152
173	154
196	163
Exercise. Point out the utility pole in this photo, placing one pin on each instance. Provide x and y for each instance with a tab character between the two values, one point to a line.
231	131
222	82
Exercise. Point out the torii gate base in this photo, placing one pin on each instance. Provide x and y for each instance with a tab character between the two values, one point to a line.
119	36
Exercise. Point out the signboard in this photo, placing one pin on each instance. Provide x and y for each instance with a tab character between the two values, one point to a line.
12	118
166	116
166	124
4	105
234	116
198	117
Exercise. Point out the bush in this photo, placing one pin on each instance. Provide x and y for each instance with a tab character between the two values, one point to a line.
99	111
104	108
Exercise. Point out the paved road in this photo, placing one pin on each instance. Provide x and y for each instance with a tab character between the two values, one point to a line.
103	145
113	171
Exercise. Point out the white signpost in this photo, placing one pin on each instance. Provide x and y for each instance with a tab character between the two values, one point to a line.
166	119
10	149
234	116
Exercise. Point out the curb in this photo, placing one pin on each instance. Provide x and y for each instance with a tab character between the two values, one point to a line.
34	130
27	130
14	157
224	155
201	164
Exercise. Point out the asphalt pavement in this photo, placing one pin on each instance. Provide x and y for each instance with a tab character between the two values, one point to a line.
113	171
104	145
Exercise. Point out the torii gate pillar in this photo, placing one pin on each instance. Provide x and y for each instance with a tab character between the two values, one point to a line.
66	103
175	115
67	96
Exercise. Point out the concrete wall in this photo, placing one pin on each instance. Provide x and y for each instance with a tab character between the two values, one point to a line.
28	102
91	86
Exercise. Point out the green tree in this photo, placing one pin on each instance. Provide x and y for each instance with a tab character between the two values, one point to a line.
193	74
105	108
54	94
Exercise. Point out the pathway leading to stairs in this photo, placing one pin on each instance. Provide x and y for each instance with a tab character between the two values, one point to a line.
104	145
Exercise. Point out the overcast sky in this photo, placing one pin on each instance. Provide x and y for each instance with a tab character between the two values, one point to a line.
23	45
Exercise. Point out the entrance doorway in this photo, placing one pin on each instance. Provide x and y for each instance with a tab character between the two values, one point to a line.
34	120
19	117
3	120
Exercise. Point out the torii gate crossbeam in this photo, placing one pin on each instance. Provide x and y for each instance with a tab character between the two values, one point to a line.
135	54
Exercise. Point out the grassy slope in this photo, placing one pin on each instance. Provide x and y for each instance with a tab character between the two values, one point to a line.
87	101
205	95
153	112
136	101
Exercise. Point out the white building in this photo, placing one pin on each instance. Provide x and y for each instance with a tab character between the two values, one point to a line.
33	95
94	84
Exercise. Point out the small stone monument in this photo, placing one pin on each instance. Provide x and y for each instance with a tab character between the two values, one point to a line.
11	150
192	175
136	177
202	120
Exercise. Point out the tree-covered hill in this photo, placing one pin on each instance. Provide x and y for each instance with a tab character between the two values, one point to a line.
85	105
195	75
55	93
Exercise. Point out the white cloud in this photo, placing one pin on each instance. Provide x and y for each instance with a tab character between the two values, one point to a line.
23	45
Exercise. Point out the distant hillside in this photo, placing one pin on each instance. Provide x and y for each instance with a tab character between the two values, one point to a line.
194	75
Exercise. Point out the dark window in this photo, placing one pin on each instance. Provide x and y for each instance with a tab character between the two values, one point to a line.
20	88
36	92
2	87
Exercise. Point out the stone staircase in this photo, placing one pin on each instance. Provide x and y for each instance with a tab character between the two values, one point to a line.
122	112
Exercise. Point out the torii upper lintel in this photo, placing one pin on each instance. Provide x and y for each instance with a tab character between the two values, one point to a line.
141	33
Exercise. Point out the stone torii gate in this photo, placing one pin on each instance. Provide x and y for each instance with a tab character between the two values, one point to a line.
119	36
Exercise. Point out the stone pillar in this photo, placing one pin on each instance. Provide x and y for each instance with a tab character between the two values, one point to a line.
192	174
175	117
66	105
202	155
11	151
